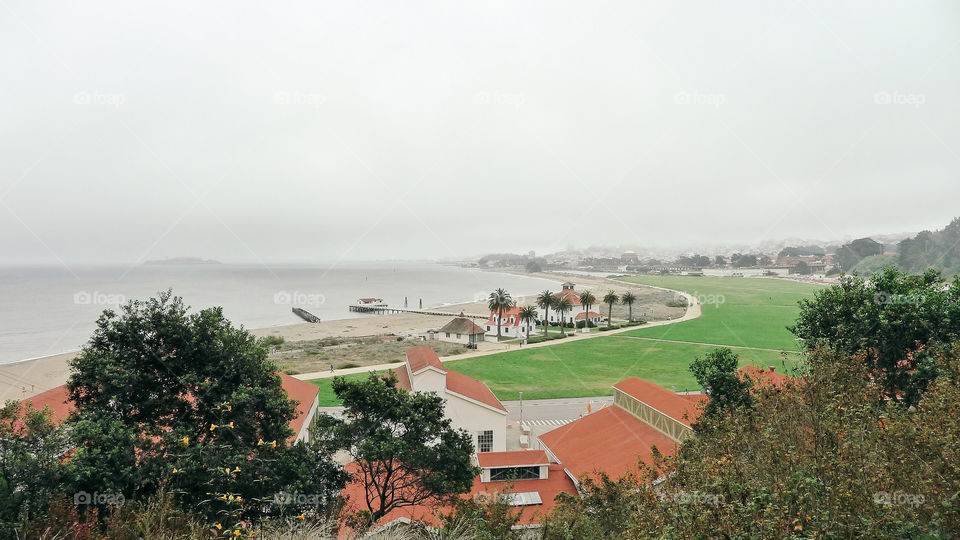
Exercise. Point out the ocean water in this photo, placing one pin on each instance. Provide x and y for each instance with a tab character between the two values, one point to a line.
50	310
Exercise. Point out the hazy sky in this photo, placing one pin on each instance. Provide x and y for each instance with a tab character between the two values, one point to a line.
293	131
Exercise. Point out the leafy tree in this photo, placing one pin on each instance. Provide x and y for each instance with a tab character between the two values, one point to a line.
545	302
403	448
720	261
498	301
587	299
716	372
528	314
533	267
610	299
802	268
164	397
478	519
937	249
562	305
853	252
627	299
31	448
895	319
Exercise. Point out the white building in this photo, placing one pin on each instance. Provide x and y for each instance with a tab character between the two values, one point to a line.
470	404
461	330
511	327
576	313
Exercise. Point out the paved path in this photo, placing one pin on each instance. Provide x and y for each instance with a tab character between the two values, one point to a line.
693	311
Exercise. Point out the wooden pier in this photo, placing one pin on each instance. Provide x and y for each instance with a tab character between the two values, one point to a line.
382	310
306	315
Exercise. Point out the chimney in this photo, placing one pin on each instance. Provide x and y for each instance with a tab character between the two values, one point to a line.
772	368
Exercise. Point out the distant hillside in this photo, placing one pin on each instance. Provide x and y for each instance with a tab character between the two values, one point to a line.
937	249
181	260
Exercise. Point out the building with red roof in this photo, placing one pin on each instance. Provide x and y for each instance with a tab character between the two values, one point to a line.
306	395
469	403
511	325
525	479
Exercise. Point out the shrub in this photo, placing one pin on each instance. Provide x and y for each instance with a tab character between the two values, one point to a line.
347	365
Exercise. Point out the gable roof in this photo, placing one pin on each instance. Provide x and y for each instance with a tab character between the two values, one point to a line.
516	458
571	294
590	314
58	399
462	325
305	393
680	408
422	357
610	440
513	311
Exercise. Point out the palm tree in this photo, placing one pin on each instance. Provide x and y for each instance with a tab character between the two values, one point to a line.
527	314
545	301
498	301
562	305
628	299
610	299
587	299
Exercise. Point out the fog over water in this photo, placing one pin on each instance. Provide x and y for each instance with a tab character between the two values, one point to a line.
335	131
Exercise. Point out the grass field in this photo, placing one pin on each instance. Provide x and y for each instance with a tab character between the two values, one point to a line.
589	367
754	313
326	397
748	312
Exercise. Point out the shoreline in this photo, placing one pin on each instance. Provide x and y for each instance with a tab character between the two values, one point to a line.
24	378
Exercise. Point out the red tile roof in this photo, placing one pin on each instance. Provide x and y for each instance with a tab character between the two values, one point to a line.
303	392
457	383
592	314
573	295
421	356
512	459
610	440
55	398
507	313
556	482
763	377
669	403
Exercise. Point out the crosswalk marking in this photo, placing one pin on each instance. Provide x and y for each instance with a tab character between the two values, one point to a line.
558	422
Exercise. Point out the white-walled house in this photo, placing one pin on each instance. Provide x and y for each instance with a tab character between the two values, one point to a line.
470	404
511	327
576	313
461	330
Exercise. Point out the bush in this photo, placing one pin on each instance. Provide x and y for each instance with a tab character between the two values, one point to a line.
347	365
677	303
272	341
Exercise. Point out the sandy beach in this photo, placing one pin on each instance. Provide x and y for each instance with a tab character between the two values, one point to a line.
23	379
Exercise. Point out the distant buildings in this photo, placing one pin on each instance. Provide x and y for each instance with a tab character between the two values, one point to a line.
470	405
629	257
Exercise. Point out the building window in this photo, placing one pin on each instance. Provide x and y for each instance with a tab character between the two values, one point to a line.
458	336
508	474
488	328
485	441
448	334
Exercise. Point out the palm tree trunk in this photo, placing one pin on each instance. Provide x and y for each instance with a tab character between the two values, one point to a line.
630	307
546	321
609	314
499	320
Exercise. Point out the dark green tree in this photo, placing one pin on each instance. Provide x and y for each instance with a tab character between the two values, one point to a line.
716	372
31	449
610	299
403	448
498	301
164	397
545	302
894	319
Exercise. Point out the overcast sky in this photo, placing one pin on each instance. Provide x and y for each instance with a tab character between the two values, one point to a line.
301	131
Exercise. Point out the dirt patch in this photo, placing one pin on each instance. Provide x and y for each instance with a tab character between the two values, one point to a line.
343	352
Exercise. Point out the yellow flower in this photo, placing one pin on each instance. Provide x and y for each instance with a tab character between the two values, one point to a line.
229	407
301	516
223	497
236	532
227	470
273	444
230	424
213	427
259	442
186	441
218	407
218	526
236	469
175	470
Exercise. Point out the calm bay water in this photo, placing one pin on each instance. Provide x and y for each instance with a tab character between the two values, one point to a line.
49	310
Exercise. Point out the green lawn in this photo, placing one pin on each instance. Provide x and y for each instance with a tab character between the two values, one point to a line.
753	312
589	367
326	397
